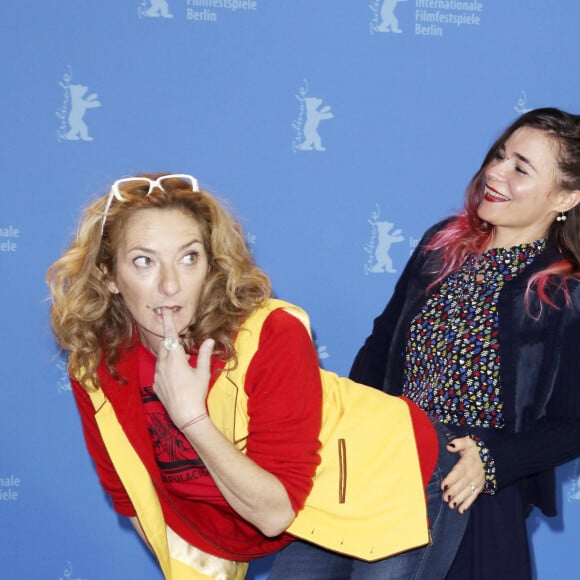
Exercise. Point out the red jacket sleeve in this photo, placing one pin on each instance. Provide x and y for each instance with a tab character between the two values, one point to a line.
285	405
107	475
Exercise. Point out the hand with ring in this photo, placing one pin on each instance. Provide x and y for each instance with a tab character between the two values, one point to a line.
465	481
171	343
181	388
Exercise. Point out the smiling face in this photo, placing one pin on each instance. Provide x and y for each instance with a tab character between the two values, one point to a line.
161	263
522	197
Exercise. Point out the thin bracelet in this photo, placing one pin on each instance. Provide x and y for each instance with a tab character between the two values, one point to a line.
193	421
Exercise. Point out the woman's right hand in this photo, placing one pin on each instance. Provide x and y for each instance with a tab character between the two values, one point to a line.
254	493
466	480
182	389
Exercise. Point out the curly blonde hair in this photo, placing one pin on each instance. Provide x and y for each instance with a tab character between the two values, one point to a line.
93	324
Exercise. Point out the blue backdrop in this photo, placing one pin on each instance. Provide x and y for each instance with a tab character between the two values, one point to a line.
338	131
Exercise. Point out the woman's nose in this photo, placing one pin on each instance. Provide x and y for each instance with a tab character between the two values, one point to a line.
168	280
496	169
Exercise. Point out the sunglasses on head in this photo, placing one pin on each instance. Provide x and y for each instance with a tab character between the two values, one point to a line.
117	193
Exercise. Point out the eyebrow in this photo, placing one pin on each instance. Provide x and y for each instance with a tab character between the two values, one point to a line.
194	241
521	157
526	161
152	251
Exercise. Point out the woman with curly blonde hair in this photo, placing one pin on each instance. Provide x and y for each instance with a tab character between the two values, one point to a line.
157	268
86	315
202	405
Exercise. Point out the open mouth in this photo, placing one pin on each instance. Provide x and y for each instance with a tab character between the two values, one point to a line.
159	309
493	195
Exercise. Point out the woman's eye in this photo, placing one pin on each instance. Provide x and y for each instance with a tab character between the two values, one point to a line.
142	261
191	258
521	170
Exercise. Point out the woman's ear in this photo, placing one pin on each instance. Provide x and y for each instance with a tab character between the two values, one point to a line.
569	200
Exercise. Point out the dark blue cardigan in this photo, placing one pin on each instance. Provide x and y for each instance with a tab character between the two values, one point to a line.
539	374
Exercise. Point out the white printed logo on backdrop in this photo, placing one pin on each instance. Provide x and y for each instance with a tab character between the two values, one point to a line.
384	19
383	235
68	573
9	237
9	488
431	18
63	382
322	352
154	9
250	239
522	105
574	482
311	113
75	104
202	11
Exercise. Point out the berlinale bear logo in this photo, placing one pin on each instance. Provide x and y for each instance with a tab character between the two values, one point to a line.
75	104
306	126
79	104
378	249
154	9
384	19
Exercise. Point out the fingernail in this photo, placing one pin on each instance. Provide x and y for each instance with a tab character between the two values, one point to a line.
452	445
446	488
449	499
454	505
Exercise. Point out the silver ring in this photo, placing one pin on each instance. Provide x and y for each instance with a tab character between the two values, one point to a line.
171	343
472	488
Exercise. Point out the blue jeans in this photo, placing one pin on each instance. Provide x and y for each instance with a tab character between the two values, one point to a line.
303	561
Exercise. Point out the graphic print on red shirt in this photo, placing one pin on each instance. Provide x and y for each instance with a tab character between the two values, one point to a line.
182	471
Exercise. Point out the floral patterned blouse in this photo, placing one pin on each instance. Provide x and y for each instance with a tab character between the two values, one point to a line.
452	358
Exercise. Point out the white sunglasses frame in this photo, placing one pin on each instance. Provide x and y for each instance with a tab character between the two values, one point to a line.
115	192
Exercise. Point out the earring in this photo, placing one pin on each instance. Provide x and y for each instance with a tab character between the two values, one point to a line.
562	217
